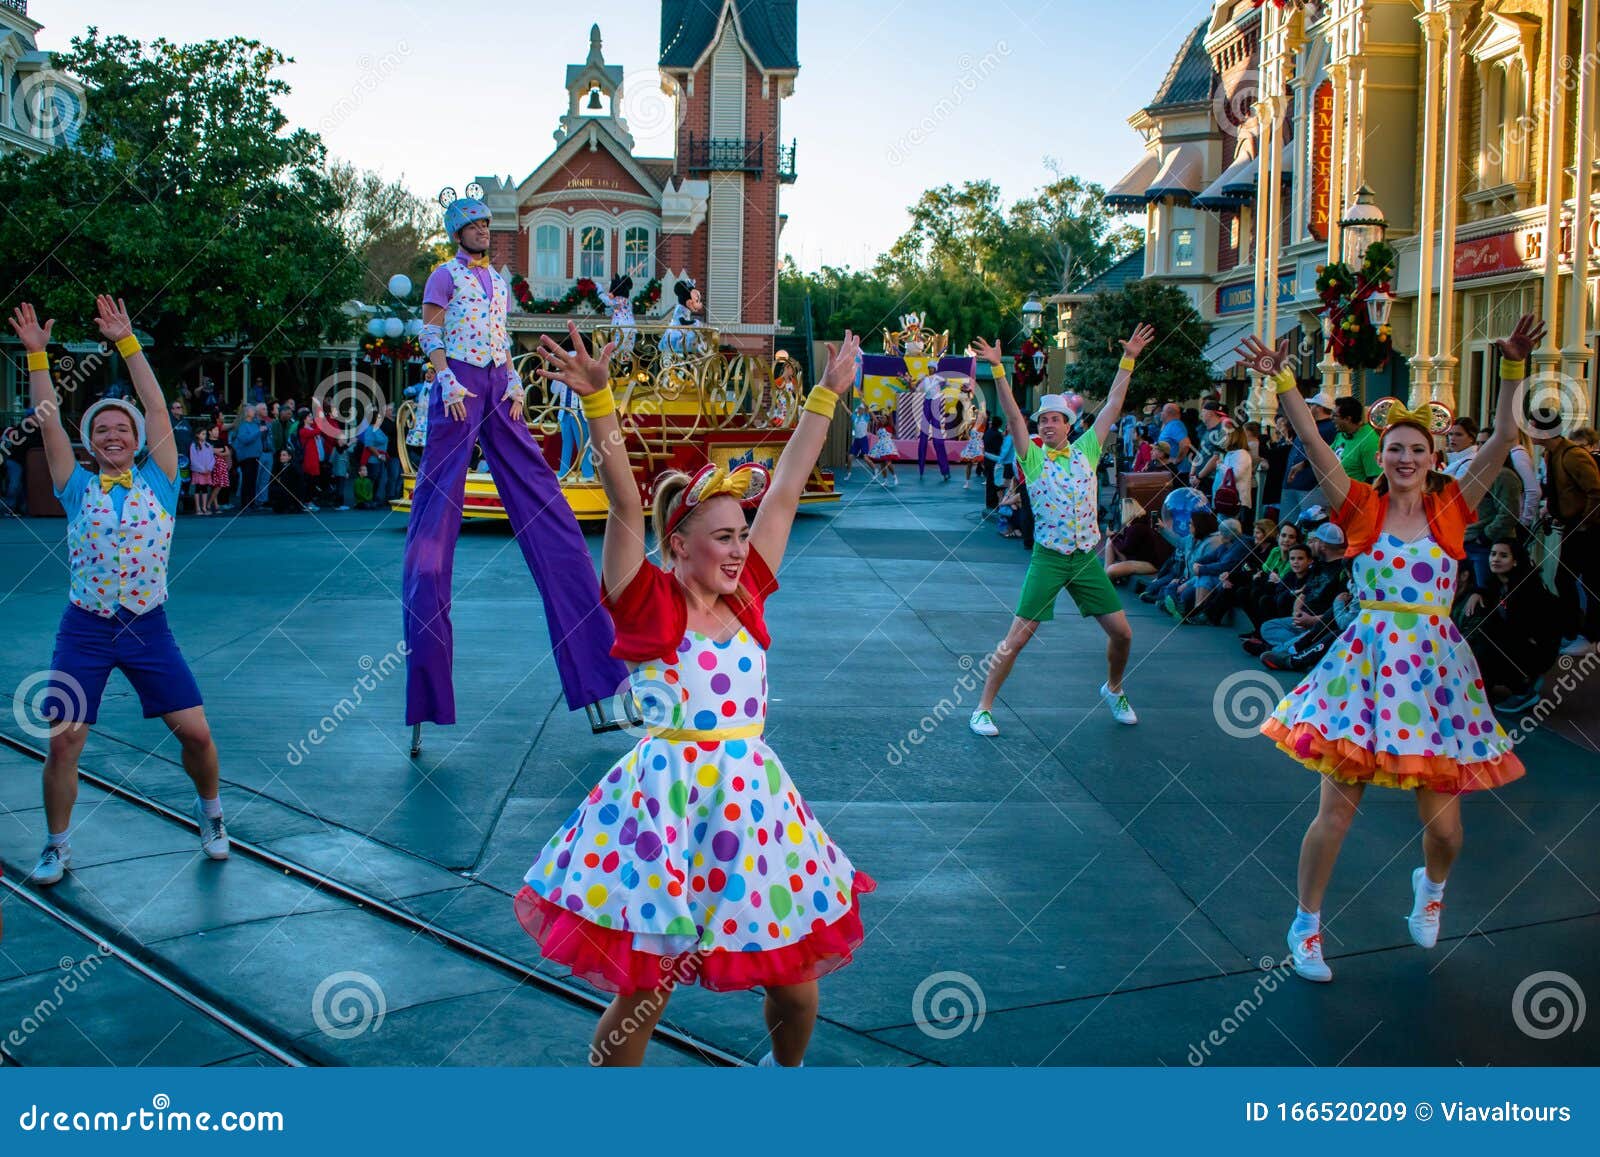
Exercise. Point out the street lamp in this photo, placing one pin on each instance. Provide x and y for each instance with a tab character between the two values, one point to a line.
1361	227
1032	314
1379	307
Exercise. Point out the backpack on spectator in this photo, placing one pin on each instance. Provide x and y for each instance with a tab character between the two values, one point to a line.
1226	497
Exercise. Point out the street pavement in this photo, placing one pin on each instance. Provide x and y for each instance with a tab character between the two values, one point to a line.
1075	892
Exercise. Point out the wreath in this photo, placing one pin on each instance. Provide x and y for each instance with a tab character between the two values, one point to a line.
1353	340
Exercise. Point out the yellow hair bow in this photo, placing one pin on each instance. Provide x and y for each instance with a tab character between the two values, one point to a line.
1434	417
746	483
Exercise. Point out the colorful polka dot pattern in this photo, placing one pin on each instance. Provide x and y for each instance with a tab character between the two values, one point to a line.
698	844
475	325
119	562
1400	682
1063	492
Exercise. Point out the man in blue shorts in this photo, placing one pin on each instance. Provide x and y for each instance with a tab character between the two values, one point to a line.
119	536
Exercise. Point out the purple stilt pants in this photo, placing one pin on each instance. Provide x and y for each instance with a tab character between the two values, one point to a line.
553	546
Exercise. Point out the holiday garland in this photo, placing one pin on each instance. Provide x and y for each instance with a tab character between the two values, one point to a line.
584	292
1353	340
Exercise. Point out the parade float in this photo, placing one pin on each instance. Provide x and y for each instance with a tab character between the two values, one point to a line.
931	394
684	401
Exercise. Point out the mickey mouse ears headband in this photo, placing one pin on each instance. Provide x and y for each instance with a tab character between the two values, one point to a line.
746	483
1434	417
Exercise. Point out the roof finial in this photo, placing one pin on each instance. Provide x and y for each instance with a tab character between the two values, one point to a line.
595	55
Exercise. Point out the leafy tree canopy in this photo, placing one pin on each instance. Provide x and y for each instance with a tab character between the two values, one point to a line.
1172	368
187	194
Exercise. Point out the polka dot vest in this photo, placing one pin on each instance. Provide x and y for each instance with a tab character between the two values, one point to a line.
119	563
475	325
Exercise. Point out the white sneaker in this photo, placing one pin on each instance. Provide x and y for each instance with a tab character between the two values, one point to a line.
1306	952
213	834
982	723
1118	702
1424	918
53	864
1579	646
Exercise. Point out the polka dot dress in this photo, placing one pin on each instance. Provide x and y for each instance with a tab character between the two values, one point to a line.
699	844
1398	700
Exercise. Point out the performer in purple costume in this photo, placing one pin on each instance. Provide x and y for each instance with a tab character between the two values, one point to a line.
478	399
932	428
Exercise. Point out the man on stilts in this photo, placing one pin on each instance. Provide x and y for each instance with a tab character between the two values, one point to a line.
478	399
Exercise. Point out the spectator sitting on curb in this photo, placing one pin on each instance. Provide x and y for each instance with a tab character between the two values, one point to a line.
1234	588
1513	625
1139	548
1214	559
1313	606
1202	525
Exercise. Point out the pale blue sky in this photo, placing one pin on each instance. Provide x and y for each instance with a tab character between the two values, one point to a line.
892	97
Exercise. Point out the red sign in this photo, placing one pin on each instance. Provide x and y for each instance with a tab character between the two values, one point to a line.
1321	158
1499	253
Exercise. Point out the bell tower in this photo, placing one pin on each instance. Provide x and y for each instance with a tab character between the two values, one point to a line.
729	65
594	95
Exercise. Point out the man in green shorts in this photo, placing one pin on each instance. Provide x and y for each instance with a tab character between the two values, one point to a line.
1066	533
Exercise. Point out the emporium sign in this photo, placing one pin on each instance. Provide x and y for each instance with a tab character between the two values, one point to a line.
1321	158
1517	250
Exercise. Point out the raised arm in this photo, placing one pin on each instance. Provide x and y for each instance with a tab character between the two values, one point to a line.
1262	359
1131	349
769	533
35	338
622	553
1016	424
1485	466
111	315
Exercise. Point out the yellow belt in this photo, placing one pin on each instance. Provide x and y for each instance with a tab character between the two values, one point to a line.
1414	608
706	735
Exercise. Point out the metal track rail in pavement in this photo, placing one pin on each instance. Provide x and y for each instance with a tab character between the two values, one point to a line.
481	952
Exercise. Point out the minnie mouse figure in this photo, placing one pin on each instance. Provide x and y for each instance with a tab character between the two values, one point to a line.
619	300
683	318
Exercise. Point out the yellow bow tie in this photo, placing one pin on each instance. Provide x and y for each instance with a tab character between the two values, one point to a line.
480	262
125	480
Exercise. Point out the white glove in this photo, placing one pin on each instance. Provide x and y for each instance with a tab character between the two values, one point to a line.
514	389
449	388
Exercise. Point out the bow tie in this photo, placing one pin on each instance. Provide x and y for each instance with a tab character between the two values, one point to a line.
125	480
479	262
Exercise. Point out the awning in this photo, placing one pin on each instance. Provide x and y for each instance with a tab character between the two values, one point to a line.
1232	188
1182	174
1128	193
1226	338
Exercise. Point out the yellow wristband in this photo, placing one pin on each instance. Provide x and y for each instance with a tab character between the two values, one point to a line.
1511	371
600	404
1284	380
128	346
1126	364
822	400
38	360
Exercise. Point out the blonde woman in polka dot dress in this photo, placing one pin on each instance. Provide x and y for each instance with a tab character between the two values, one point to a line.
1398	701
695	859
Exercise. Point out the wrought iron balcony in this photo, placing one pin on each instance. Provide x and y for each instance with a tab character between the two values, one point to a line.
786	163
727	154
15	5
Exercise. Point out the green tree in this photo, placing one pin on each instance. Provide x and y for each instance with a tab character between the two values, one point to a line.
1172	368
390	229
187	194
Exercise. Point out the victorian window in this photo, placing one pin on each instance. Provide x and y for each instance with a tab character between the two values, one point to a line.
547	256
592	252
1503	51
636	251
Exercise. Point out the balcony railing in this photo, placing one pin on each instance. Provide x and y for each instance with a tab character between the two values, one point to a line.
786	163
20	6
727	154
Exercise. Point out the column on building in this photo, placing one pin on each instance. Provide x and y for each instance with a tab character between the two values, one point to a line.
1576	352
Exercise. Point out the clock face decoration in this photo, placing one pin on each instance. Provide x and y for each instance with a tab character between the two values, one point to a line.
447	194
475	191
